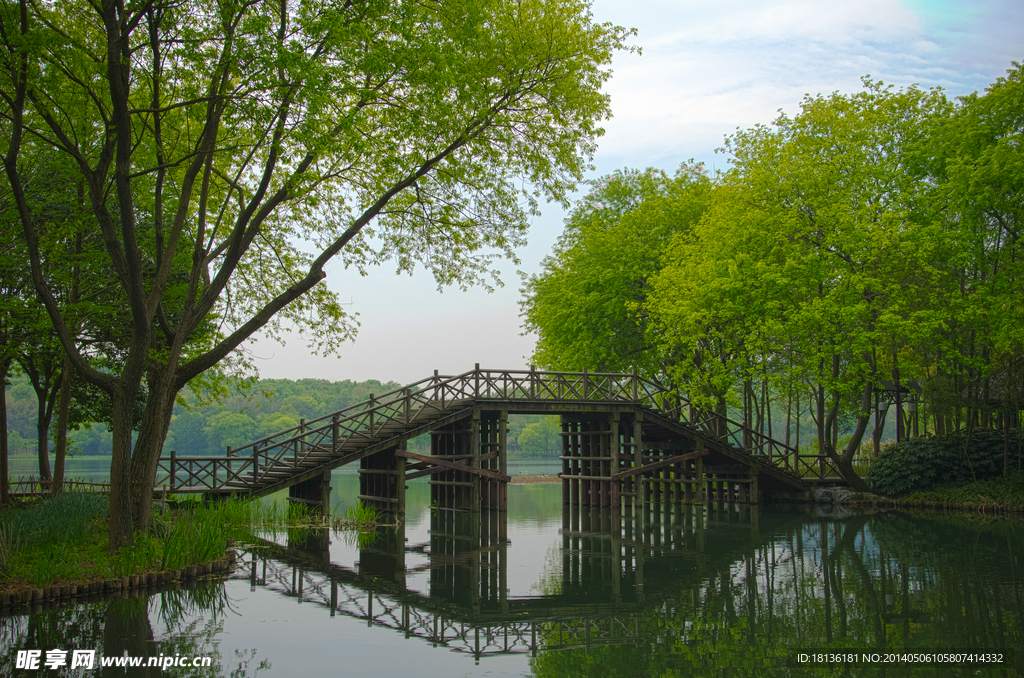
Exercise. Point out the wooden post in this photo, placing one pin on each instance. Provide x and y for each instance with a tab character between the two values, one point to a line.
503	460
754	495
616	444
373	406
325	493
699	520
698	474
174	459
474	459
400	488
566	499
638	451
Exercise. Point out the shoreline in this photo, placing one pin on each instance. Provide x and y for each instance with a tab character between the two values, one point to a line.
535	480
33	600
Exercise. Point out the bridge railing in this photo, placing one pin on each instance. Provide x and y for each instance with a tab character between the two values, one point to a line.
256	463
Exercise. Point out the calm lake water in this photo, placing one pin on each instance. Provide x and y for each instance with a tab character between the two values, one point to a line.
539	591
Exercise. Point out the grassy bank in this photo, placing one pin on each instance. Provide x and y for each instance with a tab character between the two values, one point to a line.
62	541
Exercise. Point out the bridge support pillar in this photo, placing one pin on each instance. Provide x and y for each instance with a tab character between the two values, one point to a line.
590	456
450	488
480	443
315	492
382	481
492	430
734	483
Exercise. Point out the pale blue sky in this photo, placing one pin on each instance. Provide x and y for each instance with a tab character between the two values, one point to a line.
706	69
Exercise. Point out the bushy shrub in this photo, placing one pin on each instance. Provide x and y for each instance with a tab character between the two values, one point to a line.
920	464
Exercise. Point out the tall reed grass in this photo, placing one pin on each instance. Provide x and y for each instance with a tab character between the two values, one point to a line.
65	516
262	514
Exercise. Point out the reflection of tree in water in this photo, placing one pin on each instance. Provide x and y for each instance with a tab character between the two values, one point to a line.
189	623
550	583
885	582
950	580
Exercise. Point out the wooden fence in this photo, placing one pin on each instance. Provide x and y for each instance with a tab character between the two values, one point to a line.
39	487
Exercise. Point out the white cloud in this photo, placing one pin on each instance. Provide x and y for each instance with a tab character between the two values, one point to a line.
708	24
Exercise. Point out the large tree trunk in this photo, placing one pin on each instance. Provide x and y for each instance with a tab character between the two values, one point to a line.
848	473
122	528
43	441
152	433
844	461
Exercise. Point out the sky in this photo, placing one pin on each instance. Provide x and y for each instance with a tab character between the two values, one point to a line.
705	70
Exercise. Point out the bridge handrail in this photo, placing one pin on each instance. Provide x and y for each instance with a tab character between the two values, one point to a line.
365	419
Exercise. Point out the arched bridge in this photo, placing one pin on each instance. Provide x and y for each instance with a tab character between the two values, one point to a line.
622	436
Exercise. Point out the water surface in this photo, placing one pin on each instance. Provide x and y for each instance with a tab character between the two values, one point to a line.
541	591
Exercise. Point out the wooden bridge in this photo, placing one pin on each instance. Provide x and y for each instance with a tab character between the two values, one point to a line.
623	437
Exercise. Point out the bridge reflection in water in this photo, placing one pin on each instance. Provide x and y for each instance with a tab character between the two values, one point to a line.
710	590
616	567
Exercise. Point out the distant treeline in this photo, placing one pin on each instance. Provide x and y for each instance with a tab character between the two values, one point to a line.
205	426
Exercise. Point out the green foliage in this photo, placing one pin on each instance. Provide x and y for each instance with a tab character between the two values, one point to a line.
360	514
921	464
62	537
541	438
142	556
870	237
812	259
55	538
587	305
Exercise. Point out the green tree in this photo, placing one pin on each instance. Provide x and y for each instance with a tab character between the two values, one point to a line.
230	150
587	305
541	438
230	428
976	161
818	266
